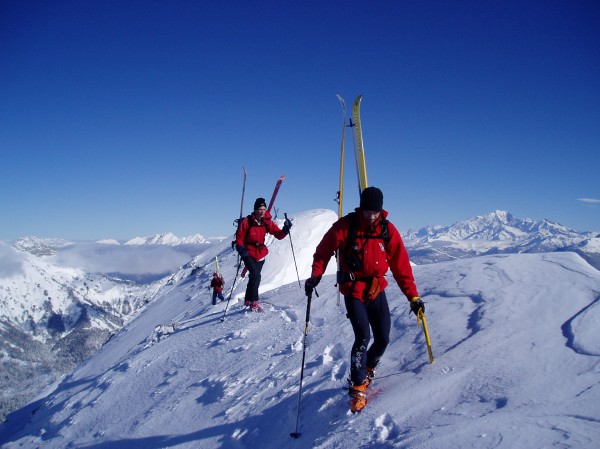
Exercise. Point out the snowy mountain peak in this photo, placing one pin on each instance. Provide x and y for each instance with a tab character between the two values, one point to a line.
39	246
501	216
495	226
497	231
167	238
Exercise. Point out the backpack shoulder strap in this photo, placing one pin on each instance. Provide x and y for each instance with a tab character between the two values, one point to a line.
252	222
353	230
385	233
248	218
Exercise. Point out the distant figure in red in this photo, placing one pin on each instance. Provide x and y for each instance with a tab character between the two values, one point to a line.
217	283
250	244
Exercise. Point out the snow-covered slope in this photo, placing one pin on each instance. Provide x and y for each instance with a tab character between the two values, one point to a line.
53	317
44	290
515	340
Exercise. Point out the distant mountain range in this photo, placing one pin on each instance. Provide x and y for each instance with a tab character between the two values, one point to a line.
167	238
498	232
49	246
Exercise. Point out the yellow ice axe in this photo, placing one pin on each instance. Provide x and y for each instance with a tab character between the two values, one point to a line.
421	319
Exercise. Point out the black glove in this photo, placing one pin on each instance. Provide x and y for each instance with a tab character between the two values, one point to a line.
416	304
287	224
242	251
310	284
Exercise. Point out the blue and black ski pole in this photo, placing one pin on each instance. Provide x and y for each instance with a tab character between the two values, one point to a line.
296	434
293	254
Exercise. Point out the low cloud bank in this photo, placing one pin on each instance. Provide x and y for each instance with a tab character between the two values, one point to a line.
141	263
11	261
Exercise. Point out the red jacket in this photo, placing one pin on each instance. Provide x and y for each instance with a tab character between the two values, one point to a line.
375	255
252	234
217	283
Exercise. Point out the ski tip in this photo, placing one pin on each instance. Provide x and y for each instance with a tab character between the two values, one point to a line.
295	435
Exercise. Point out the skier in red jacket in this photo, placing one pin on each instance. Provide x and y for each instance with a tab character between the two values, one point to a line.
250	244
368	246
217	283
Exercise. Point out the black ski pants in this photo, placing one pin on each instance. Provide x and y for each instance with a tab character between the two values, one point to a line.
364	317
254	268
216	295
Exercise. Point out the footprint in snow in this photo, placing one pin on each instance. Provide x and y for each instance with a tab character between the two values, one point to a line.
333	353
289	315
387	428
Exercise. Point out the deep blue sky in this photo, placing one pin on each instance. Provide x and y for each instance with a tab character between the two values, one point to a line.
127	118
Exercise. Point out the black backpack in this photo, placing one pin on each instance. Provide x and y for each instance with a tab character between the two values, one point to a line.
237	222
351	249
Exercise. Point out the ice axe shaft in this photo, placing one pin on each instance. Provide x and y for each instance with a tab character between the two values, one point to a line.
421	319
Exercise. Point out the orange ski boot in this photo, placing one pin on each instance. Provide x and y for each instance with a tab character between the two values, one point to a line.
358	396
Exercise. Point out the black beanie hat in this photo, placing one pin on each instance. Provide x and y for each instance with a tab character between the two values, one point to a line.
371	199
260	202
